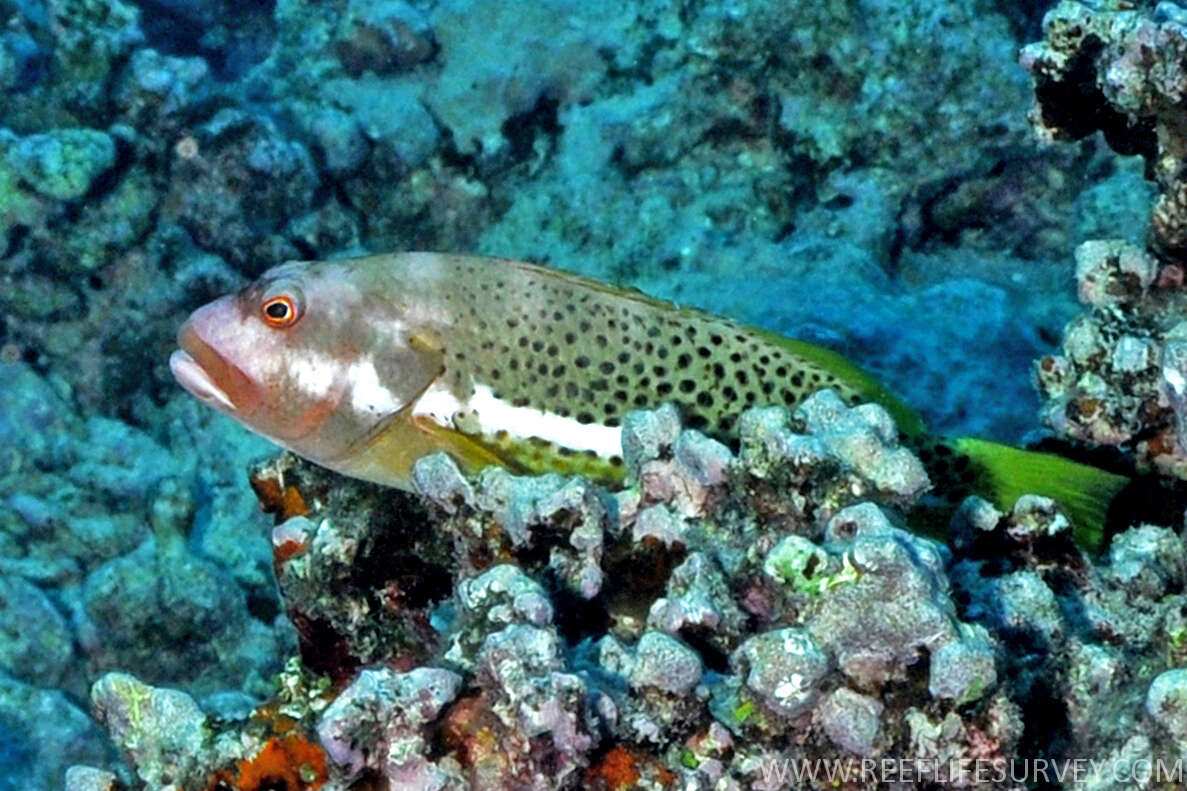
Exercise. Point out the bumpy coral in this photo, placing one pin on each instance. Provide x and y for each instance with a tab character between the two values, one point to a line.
1121	375
718	608
720	620
1063	622
1118	69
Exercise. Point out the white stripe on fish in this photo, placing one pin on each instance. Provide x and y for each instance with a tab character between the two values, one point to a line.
495	415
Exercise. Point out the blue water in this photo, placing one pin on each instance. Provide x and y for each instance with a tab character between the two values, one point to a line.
860	175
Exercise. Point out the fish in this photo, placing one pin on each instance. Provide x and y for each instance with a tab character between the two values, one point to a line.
365	365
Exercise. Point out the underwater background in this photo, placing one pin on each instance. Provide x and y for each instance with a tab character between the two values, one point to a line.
877	177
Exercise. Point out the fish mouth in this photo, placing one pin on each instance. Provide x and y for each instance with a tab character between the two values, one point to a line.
206	375
194	379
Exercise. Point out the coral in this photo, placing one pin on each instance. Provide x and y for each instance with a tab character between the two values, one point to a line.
964	669
783	668
1118	72
122	589
340	141
851	720
501	596
354	596
158	94
174	597
379	721
530	712
387	37
773	607
48	731
769	600
236	186
36	647
62	164
70	49
1118	379
1165	701
290	763
85	778
174	744
116	222
555	58
163	731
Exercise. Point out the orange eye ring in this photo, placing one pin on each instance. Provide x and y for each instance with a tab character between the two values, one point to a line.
279	312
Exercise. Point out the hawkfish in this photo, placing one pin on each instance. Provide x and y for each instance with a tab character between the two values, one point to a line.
365	365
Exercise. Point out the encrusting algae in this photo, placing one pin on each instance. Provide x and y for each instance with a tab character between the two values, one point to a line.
366	365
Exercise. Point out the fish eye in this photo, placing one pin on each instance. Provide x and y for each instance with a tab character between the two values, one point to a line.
280	311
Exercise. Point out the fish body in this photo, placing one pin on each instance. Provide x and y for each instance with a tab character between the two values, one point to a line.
365	365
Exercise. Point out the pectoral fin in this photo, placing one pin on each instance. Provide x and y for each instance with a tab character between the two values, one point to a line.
469	452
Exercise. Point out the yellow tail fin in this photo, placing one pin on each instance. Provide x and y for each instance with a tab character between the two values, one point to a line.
1007	473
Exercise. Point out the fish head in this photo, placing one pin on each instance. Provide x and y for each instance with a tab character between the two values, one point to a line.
307	356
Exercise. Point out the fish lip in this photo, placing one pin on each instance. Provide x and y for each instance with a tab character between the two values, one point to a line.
193	377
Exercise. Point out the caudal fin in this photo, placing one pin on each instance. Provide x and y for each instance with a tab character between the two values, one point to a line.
1006	473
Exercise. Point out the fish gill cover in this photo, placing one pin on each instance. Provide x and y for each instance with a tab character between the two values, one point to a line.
861	175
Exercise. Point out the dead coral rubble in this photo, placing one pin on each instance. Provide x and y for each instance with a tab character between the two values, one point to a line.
1119	378
721	611
1120	69
722	615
